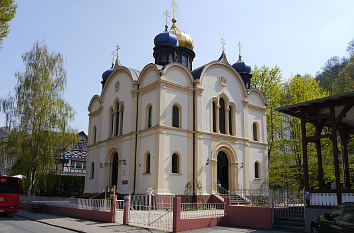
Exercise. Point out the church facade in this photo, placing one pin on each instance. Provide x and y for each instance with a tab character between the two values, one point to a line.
168	125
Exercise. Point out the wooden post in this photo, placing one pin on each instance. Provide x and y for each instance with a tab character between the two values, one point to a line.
344	140
336	165
304	154
319	157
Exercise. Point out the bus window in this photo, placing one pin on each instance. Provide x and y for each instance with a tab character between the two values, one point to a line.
10	185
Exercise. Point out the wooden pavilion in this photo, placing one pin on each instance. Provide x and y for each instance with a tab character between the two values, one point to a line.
336	113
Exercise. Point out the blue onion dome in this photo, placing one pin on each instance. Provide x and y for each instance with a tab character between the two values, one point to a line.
241	66
166	38
106	74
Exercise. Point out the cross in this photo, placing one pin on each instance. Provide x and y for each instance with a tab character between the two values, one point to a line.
174	8
114	53
167	15
239	49
222	41
117	48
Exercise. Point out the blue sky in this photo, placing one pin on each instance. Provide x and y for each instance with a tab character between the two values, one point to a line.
298	36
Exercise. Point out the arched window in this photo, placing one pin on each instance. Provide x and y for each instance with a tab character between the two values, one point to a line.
222	115
257	170
175	163
214	116
184	60
147	163
175	116
112	122
121	119
92	174
149	116
255	131
94	134
117	120
170	58
231	120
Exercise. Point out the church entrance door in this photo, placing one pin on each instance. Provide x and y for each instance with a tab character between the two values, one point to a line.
115	169
223	170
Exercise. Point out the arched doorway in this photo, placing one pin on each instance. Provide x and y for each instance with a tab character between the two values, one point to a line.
114	177
223	170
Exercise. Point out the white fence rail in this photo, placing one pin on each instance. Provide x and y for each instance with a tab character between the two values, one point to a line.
202	210
95	204
329	199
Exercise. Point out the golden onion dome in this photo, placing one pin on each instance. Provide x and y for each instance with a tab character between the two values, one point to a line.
184	39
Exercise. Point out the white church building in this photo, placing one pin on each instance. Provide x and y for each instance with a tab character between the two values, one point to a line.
167	125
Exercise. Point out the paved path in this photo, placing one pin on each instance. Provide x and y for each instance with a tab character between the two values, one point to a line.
234	230
76	225
26	221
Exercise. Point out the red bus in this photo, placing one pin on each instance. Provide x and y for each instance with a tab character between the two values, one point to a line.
10	189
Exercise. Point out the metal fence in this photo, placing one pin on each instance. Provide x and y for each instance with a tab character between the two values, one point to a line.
151	211
119	211
202	210
258	197
288	204
90	204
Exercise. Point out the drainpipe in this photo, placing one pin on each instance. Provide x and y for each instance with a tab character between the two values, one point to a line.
194	194
136	135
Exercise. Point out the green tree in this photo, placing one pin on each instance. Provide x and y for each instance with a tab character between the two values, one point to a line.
38	116
7	13
268	81
287	161
345	81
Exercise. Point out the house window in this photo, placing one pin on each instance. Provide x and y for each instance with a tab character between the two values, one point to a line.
147	163
214	116
175	116
121	120
175	163
184	60
149	115
92	170
117	119
255	131
230	120
257	170
112	123
222	115
94	134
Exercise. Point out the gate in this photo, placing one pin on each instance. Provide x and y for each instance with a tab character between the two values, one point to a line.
151	211
288	208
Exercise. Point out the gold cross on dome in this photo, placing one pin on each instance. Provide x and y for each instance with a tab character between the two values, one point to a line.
114	53
239	49
174	8
167	15
222	41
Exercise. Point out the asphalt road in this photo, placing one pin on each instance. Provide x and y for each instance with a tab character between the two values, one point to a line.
13	223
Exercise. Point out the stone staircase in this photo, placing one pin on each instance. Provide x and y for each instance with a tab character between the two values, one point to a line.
234	198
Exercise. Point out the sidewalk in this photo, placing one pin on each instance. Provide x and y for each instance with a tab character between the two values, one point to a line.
80	225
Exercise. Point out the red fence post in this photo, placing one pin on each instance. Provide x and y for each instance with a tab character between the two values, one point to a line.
126	210
176	213
113	208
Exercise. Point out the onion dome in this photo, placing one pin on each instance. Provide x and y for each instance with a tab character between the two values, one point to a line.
166	38
184	39
241	66
106	74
